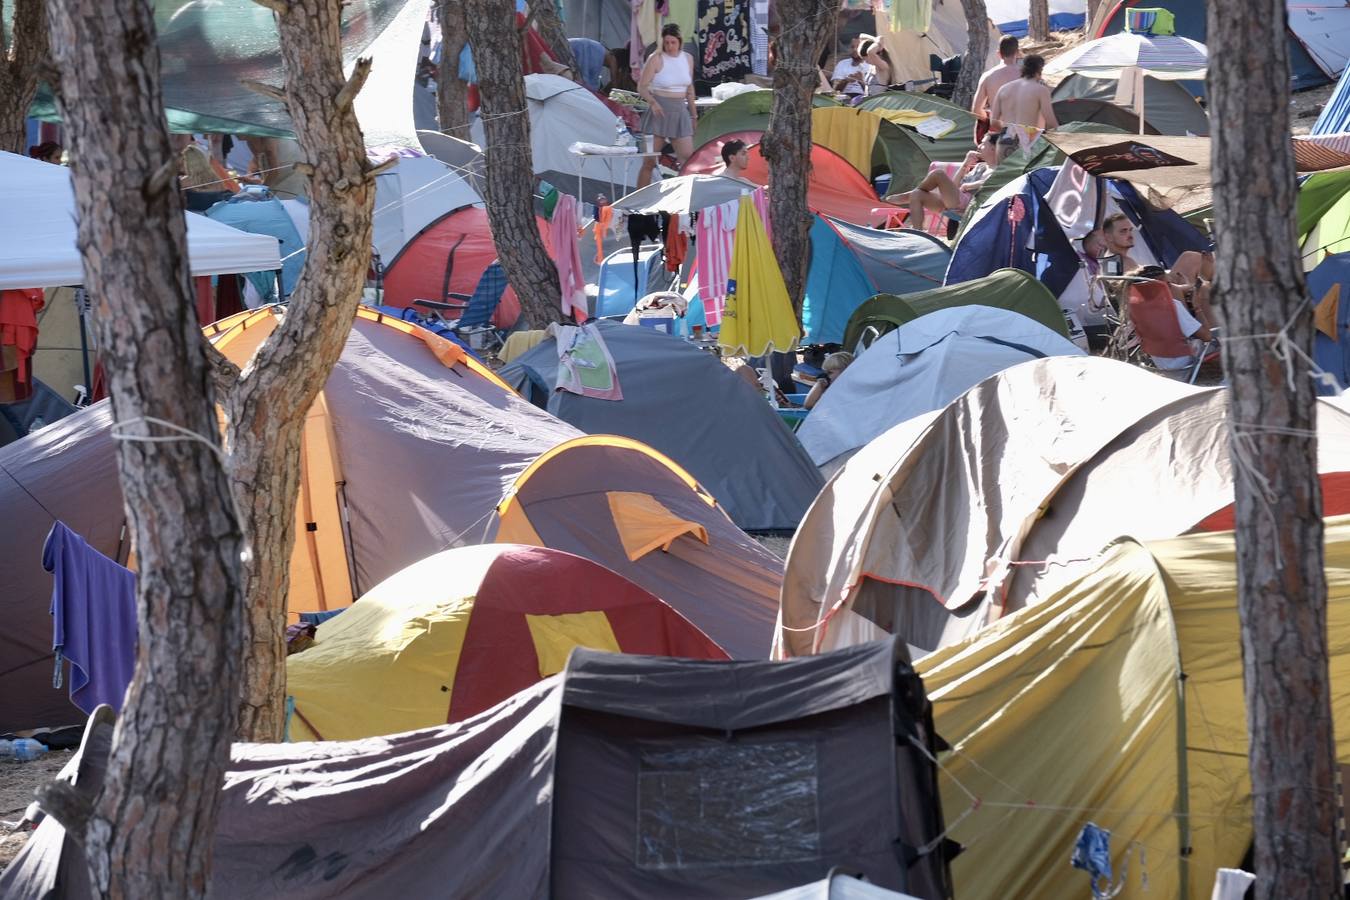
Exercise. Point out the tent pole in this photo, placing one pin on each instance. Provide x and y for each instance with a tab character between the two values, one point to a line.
281	293
81	307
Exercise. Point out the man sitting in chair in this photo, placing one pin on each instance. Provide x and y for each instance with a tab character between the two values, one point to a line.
941	193
1200	325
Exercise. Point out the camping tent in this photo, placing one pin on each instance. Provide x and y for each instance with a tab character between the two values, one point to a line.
447	257
620	503
414	194
1335	116
624	776
38	239
1324	216
910	161
1319	33
921	366
946	36
267	216
744	112
730	440
1329	284
1042	462
1010	289
1168	107
1119	701
460	631
406	452
849	264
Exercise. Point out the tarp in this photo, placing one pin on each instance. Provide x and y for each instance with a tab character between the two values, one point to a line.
606	21
946	36
732	442
1168	107
921	366
851	264
1120	702
1037	464
38	232
624	776
457	633
1010	289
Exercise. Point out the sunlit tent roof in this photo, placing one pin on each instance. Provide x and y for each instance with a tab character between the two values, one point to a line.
623	776
412	195
951	147
734	444
1118	700
38	232
1168	107
744	112
1324	217
459	632
1010	289
1039	463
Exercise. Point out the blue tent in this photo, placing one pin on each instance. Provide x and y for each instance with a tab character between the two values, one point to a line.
1016	229
266	216
850	263
1333	354
1335	117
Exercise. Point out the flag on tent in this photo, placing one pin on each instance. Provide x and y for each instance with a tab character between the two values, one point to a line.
758	315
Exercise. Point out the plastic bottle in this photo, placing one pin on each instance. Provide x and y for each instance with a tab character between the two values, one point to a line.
22	749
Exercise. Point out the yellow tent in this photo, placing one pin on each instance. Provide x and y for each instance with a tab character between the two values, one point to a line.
1118	701
758	316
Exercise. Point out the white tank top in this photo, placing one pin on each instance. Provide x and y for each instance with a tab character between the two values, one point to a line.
674	75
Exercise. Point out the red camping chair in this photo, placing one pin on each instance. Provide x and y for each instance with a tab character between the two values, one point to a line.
1152	313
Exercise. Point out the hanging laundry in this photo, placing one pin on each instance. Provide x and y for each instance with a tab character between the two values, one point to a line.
18	340
677	244
715	231
911	15
723	37
604	218
567	257
761	199
1092	854
641	228
759	36
93	619
585	366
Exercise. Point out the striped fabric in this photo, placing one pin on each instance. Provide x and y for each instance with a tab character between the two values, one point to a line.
716	228
1159	56
1318	152
1335	115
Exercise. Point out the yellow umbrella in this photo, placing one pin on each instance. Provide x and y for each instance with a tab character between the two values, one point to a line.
758	315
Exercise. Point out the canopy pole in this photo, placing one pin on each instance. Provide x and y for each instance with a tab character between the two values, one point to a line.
1139	94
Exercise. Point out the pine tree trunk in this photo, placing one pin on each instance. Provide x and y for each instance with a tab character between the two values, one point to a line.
149	832
550	28
977	52
1038	21
265	410
509	177
451	93
20	65
1272	416
787	144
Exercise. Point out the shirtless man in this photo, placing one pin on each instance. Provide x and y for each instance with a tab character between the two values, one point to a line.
1118	231
1024	104
990	83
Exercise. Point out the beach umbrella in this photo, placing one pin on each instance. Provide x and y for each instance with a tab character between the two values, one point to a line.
1127	57
683	194
758	316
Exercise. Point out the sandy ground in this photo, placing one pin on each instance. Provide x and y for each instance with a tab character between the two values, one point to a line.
17	783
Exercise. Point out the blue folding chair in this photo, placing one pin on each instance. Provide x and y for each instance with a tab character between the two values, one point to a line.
474	325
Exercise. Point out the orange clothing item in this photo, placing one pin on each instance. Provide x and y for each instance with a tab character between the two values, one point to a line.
677	244
604	216
18	340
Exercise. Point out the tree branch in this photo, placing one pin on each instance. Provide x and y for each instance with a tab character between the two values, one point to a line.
266	90
360	72
225	373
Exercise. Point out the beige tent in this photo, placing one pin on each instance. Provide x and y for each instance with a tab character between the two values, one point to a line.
1117	701
946	36
932	532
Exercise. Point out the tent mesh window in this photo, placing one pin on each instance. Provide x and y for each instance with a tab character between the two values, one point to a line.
702	801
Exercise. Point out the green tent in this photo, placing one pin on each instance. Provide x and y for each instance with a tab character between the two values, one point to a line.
744	112
952	147
1010	289
1324	216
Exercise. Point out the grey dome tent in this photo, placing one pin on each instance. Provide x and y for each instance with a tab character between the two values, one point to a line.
683	402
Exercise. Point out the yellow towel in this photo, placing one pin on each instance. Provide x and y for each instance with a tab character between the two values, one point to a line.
758	316
851	133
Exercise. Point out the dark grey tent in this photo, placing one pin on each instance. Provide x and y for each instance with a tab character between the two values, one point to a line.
1168	107
624	776
683	402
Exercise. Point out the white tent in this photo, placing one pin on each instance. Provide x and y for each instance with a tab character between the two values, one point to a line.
37	232
921	366
415	193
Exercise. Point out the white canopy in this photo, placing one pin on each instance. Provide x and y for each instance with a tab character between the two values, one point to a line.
37	232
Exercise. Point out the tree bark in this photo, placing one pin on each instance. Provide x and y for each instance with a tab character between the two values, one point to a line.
451	93
1272	419
265	411
550	28
1038	21
977	52
149	831
787	143
20	68
509	177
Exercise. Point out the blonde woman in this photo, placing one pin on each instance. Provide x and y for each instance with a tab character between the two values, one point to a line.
834	366
667	84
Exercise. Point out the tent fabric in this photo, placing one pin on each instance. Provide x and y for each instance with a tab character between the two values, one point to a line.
406	452
38	232
419	271
951	147
1100	112
735	445
946	36
744	112
837	887
414	194
266	217
1010	289
1168	107
1121	696
923	540
1324	217
683	194
1335	115
477	624
921	366
727	585
849	132
549	793
1331	351
849	265
644	525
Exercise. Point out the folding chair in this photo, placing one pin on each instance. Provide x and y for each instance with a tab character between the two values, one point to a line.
1151	314
474	324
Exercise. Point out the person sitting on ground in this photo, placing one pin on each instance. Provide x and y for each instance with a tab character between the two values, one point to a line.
667	84
1023	107
834	366
736	158
47	151
1198	325
990	84
940	192
852	73
1118	231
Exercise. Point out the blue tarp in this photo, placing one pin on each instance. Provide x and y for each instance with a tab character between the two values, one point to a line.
1058	22
266	216
1333	355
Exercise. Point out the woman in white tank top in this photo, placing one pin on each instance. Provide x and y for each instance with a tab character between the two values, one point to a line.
667	84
